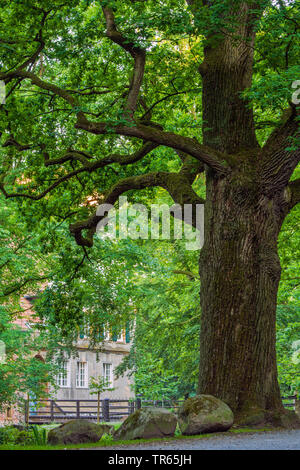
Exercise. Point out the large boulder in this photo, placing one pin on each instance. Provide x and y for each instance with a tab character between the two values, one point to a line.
147	423
204	414
77	431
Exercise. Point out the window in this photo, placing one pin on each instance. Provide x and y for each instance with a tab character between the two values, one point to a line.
84	332
117	335
106	334
63	378
120	337
108	374
84	329
81	375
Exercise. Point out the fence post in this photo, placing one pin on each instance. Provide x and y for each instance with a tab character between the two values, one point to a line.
131	407
106	410
26	412
297	404
138	403
77	409
52	410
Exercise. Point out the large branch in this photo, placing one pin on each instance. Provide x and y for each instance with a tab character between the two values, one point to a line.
30	61
278	163
12	142
35	80
214	159
40	40
138	54
37	197
190	167
176	184
88	167
16	288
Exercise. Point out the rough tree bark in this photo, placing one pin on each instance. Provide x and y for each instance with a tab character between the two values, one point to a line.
240	273
239	263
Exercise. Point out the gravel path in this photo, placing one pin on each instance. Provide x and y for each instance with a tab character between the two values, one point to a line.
272	440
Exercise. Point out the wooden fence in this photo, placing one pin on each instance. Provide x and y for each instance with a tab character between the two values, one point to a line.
62	410
290	401
46	411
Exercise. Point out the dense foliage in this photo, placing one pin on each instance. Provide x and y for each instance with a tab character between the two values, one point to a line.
31	355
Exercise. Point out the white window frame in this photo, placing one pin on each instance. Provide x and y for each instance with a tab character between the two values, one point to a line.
106	333
120	337
78	374
63	381
111	375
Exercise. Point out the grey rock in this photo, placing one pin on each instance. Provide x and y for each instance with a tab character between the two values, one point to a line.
204	414
78	431
147	423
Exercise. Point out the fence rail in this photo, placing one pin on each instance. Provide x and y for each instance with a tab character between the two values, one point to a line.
61	410
46	411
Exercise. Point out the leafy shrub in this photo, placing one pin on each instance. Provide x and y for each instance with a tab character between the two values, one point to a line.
25	437
31	435
8	435
106	439
39	436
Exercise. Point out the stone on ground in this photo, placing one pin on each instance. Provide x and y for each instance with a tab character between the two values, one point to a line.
204	414
147	423
77	431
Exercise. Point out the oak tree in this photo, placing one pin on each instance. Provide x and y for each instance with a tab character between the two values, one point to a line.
77	96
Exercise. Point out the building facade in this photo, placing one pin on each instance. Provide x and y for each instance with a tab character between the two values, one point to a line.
73	383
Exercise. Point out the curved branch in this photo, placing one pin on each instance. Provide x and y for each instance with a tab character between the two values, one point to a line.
89	167
164	98
83	157
138	54
35	80
176	184
43	193
11	142
277	162
18	287
214	159
190	167
40	40
189	274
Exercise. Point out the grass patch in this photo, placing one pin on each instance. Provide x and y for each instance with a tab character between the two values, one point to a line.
252	430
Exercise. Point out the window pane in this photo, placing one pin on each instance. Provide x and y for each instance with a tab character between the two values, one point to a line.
62	377
107	373
81	374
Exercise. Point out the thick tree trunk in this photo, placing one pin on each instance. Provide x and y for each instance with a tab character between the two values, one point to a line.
240	273
239	264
